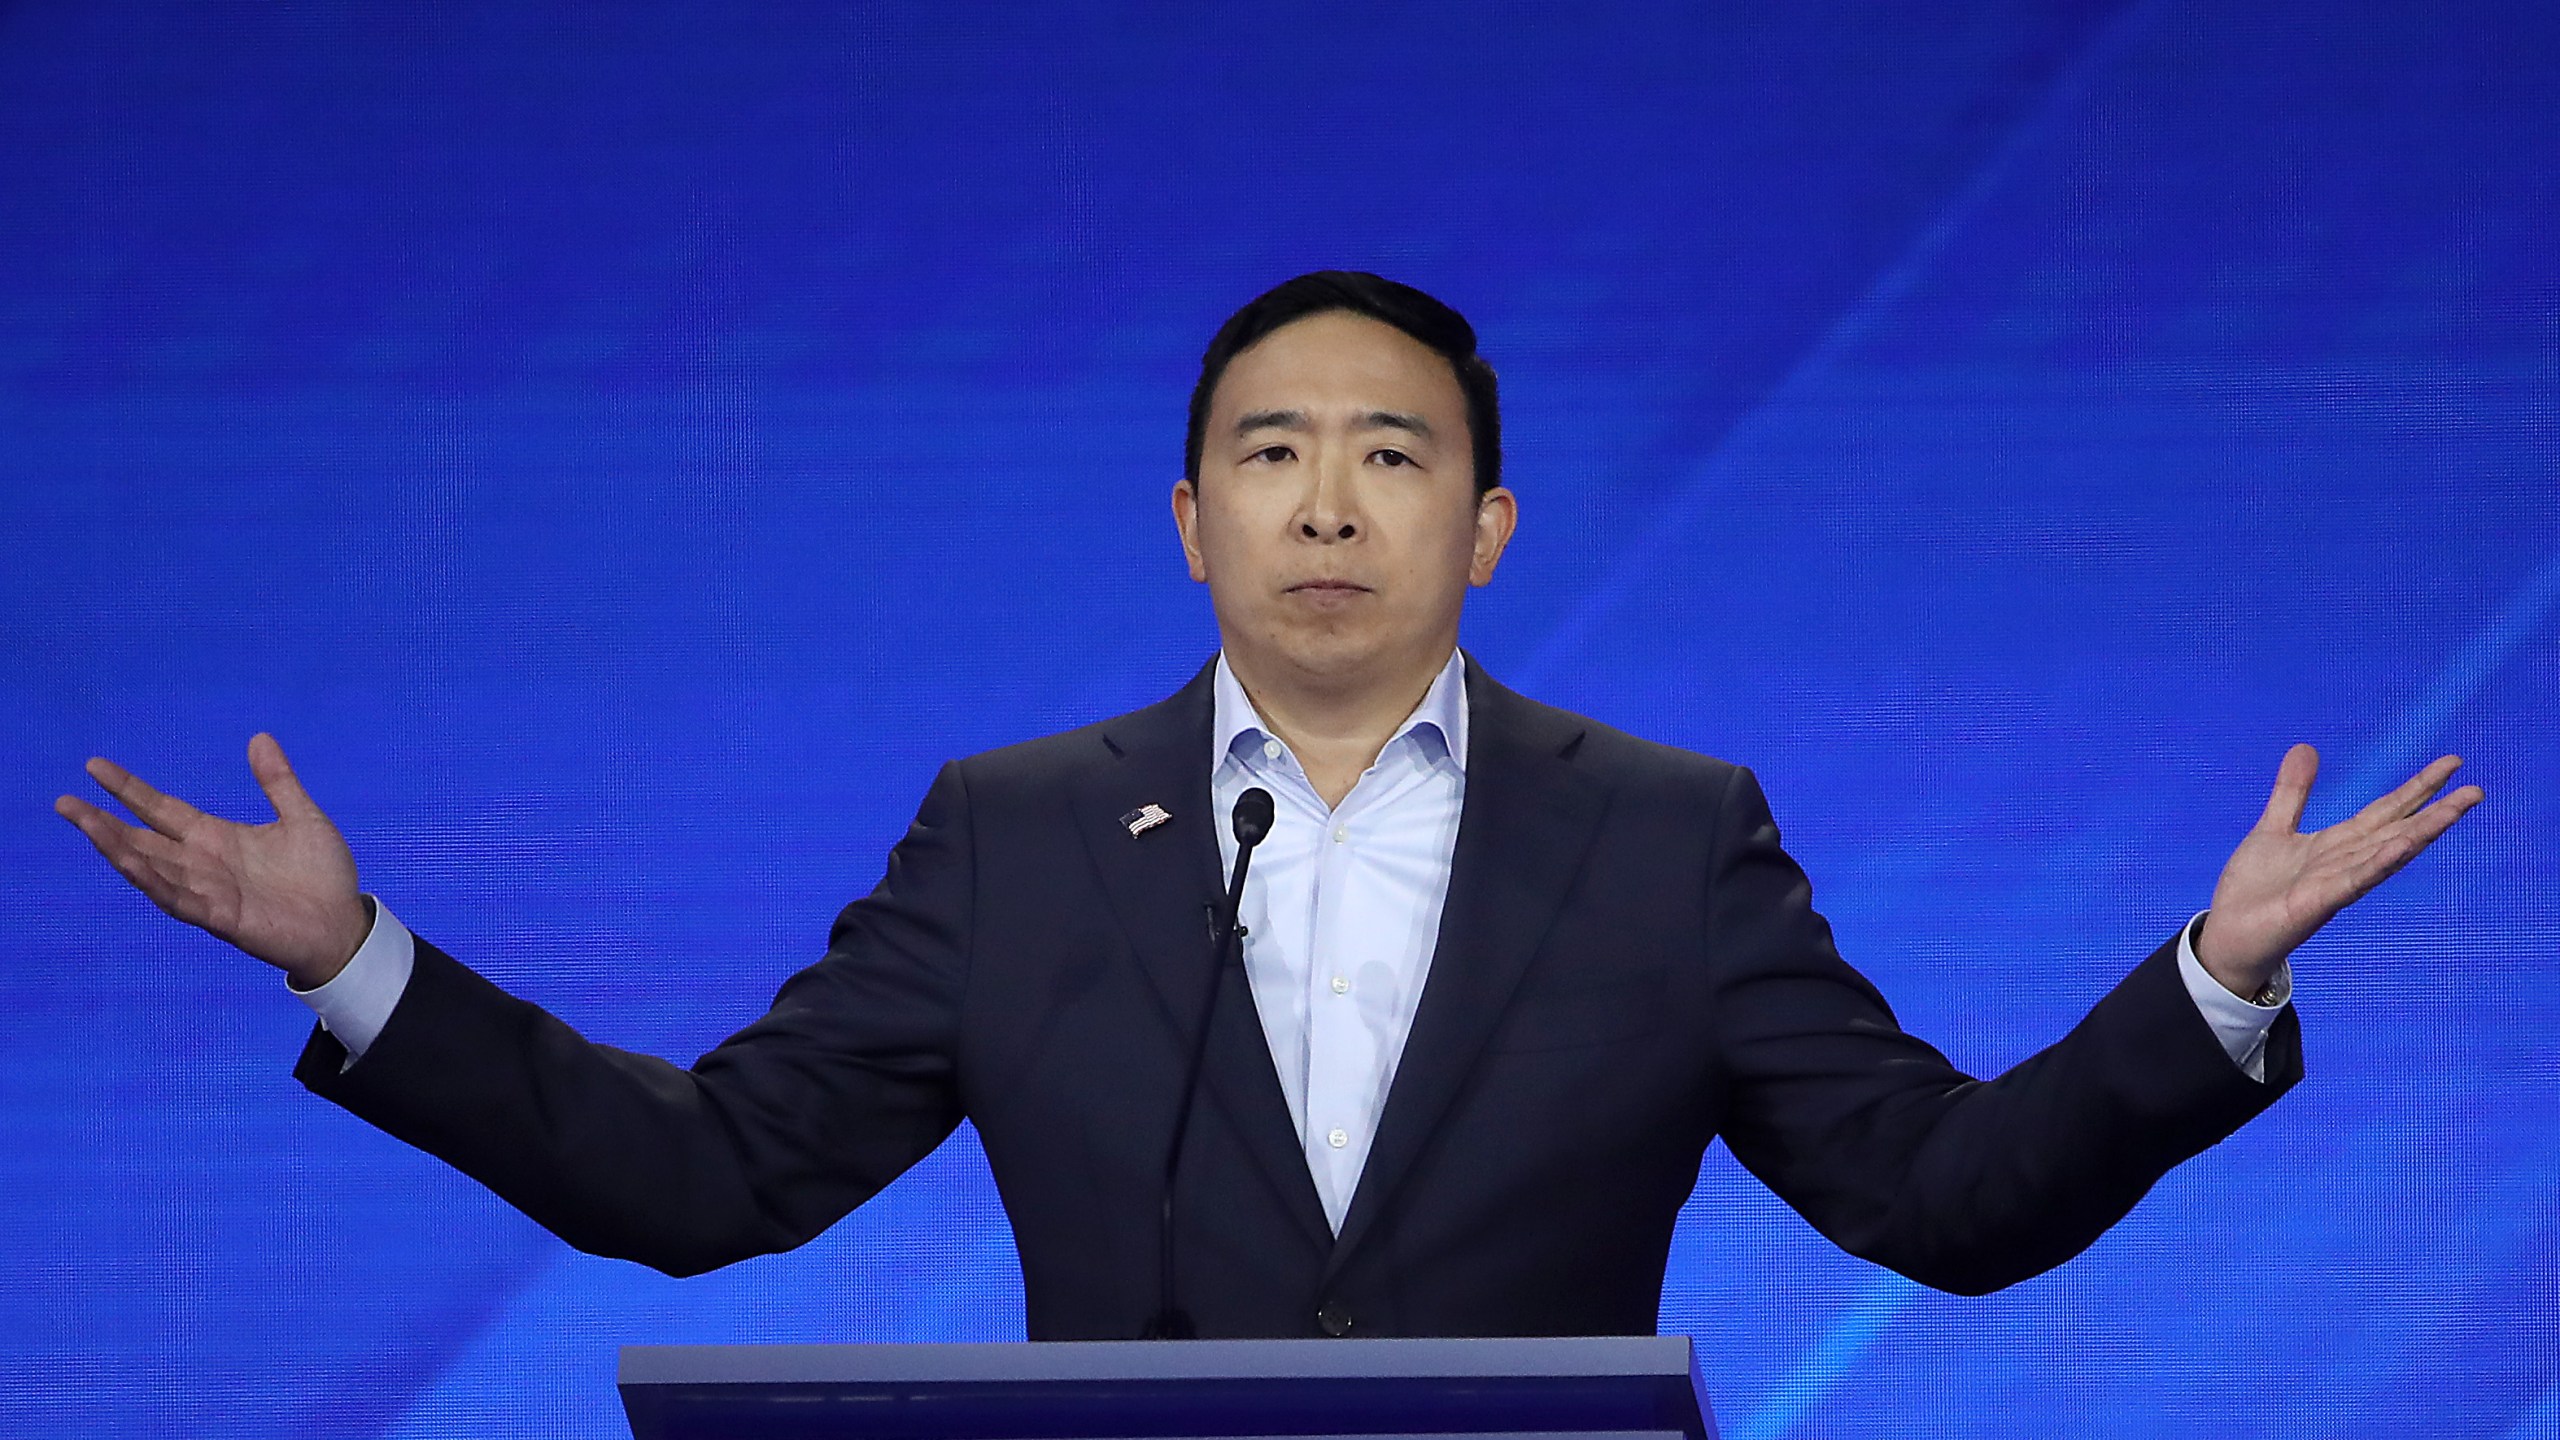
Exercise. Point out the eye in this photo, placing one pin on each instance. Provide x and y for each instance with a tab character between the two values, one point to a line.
1392	459
1273	454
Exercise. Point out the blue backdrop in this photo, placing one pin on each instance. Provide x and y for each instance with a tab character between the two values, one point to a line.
622	450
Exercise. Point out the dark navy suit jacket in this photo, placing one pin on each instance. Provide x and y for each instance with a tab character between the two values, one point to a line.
1628	966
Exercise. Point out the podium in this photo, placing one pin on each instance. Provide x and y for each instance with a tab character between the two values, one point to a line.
1622	1387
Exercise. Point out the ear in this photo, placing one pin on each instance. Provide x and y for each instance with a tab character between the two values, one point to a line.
1186	523
1497	513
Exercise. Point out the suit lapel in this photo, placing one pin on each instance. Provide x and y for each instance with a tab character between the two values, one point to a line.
1528	820
1160	886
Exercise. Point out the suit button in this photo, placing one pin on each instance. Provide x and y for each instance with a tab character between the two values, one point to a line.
1334	1321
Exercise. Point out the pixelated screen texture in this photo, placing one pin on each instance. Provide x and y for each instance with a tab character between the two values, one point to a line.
623	450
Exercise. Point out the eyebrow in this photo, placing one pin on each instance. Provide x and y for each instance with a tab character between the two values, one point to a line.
1296	420
1253	420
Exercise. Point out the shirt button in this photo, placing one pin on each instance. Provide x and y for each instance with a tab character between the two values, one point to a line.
1271	749
1341	986
1340	834
1337	1139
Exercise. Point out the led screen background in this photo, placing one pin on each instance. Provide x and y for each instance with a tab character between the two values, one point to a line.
623	450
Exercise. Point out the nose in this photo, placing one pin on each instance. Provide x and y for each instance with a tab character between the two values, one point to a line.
1328	512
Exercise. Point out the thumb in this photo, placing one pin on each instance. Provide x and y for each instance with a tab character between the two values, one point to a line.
275	776
2292	790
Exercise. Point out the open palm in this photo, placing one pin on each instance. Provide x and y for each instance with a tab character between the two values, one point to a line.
284	891
2281	885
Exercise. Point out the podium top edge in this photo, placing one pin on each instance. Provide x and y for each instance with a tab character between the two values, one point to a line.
1017	1361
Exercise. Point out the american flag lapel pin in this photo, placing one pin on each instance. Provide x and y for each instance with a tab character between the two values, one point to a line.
1144	819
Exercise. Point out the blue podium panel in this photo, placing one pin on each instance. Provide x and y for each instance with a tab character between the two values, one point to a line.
1586	1386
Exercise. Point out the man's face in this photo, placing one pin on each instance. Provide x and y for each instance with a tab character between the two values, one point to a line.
1336	520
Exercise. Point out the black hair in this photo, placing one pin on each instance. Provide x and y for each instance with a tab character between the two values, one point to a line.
1427	320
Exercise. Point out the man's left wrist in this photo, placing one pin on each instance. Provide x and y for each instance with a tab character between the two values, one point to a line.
2256	985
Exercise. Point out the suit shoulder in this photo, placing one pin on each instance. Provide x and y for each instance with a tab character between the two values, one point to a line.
1623	758
1044	758
1049	759
1632	760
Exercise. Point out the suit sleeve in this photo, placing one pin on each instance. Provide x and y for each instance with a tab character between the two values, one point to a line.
1961	1184
845	1082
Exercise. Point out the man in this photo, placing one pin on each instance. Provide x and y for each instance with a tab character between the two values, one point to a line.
1508	970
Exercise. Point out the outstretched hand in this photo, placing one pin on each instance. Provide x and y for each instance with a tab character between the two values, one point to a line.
284	891
2282	885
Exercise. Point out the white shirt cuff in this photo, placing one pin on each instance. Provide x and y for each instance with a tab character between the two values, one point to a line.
357	1002
2241	1025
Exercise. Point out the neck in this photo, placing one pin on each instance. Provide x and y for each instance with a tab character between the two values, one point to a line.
1337	724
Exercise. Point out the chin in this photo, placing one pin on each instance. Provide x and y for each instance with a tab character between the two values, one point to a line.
1331	651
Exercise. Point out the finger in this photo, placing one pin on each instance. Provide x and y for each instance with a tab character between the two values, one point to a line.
111	835
2436	819
2412	793
141	856
102	829
2292	790
165	813
276	777
105	831
2397	844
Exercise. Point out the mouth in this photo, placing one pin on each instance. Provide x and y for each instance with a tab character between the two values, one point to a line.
1327	587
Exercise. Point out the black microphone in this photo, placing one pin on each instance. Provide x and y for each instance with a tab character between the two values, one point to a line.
1252	821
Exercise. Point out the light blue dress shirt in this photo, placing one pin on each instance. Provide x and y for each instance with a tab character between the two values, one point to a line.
1342	912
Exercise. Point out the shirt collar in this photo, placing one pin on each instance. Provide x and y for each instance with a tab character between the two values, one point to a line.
1440	721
